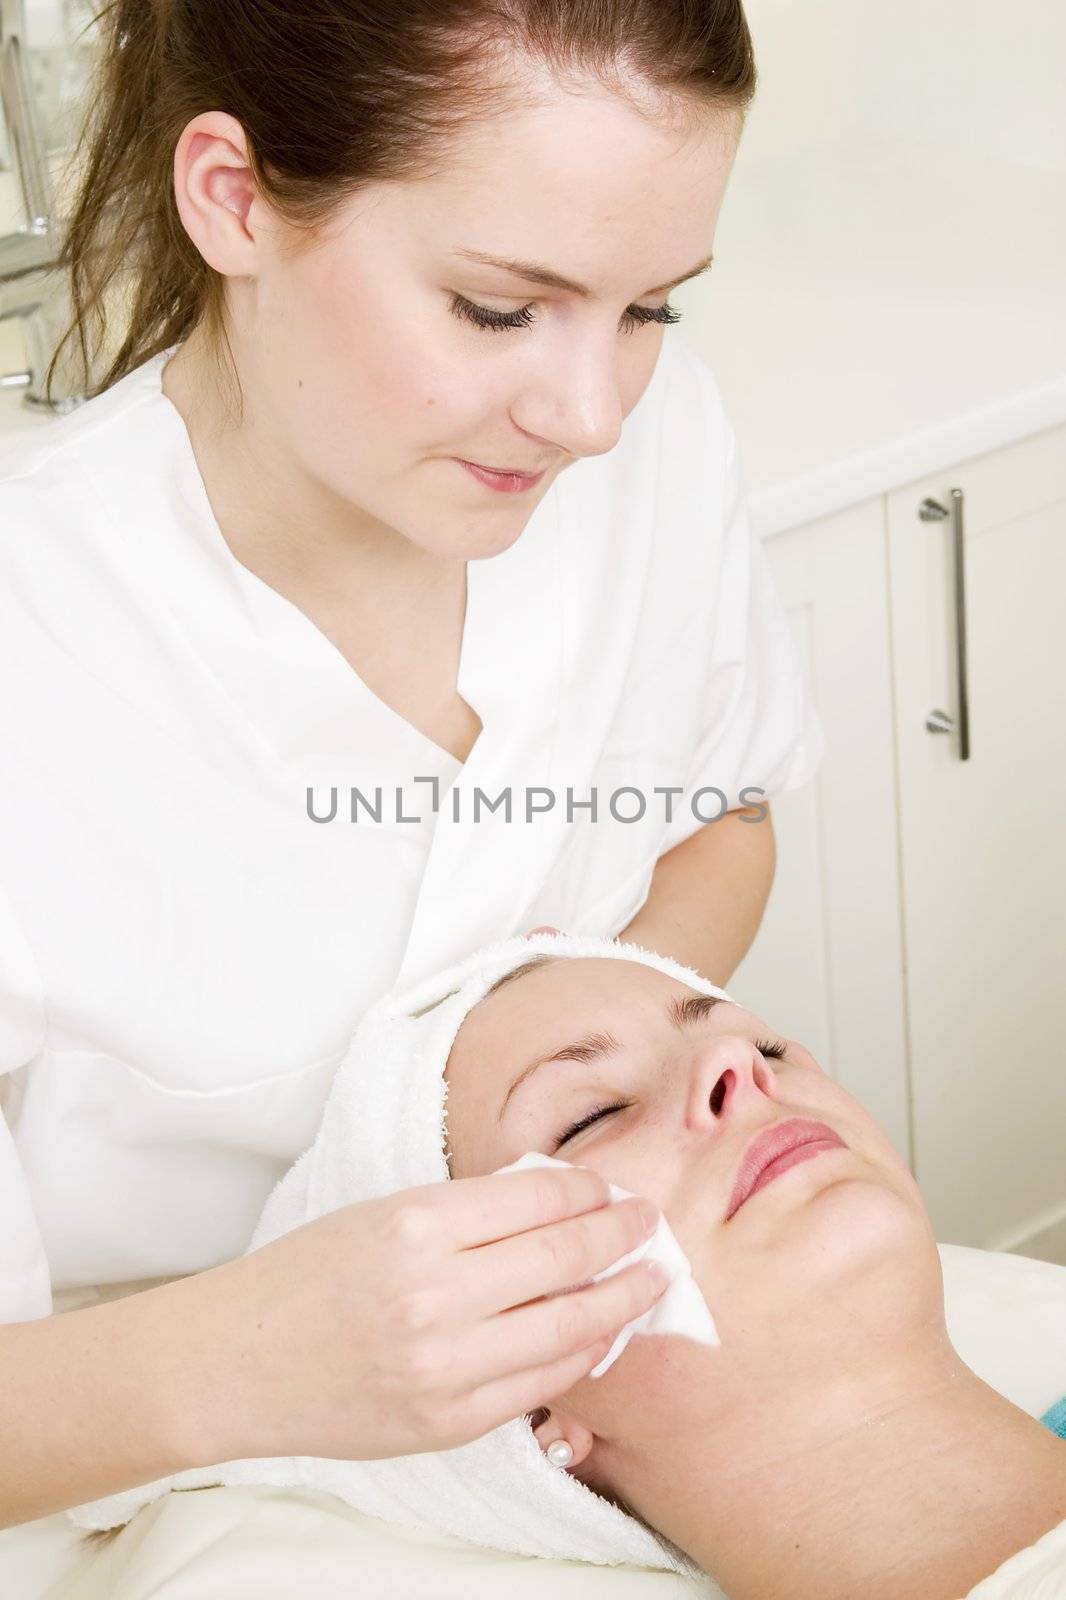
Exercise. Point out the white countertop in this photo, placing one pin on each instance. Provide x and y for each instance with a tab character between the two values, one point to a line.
925	325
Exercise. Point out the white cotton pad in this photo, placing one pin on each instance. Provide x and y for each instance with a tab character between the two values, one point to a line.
680	1308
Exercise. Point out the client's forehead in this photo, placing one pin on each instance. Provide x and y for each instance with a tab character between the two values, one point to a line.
605	973
537	990
549	996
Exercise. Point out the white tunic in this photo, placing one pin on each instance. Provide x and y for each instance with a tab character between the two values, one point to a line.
184	951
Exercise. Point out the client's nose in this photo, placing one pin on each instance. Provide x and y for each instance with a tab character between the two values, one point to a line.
728	1072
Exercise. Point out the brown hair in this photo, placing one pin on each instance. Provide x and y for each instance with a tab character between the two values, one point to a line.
519	972
332	95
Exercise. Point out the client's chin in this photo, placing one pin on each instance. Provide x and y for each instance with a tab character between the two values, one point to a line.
818	1267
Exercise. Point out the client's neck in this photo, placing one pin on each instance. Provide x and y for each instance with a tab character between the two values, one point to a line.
912	1478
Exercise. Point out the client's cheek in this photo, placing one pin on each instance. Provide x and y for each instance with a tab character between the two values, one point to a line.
804	1093
863	1135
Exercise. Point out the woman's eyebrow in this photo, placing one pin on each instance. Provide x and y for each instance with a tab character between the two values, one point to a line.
681	1012
534	273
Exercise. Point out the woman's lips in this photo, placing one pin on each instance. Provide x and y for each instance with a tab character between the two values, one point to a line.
505	482
776	1149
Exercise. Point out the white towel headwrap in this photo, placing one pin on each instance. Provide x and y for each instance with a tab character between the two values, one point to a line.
383	1130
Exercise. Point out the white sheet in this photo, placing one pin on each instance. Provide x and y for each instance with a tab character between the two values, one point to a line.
1006	1316
1038	1573
269	1544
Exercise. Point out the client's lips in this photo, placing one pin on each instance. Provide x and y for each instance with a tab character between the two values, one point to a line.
771	1152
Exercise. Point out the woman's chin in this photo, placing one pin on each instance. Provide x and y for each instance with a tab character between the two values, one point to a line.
812	1256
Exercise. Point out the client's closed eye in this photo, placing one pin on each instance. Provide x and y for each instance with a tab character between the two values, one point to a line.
586	1122
766	1047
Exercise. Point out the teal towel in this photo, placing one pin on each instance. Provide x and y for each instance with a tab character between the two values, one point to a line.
1055	1419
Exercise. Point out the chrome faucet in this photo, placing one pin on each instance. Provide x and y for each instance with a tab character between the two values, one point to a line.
32	288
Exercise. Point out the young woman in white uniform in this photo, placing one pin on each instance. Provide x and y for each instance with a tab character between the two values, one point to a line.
251	577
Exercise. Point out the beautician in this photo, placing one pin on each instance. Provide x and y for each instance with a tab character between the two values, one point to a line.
394	481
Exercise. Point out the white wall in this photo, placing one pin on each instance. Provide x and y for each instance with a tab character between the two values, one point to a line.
975	76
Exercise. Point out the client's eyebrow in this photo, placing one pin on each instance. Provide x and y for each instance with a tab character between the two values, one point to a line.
681	1012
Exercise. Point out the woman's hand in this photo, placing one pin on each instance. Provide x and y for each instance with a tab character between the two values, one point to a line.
417	1322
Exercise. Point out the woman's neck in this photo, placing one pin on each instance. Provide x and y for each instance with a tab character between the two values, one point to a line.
907	1484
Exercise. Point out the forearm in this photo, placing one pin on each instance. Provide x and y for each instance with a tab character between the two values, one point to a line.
708	895
103	1399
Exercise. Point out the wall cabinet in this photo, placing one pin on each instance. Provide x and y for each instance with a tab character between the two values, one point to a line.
916	933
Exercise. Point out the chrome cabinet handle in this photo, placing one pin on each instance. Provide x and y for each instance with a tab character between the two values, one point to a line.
931	510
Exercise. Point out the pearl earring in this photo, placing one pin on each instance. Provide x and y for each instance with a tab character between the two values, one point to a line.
560	1454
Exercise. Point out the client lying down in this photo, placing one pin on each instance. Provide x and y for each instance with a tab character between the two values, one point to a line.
831	1444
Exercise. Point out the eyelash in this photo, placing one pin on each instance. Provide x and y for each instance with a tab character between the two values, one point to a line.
501	321
765	1047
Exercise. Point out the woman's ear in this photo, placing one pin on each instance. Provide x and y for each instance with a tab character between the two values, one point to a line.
543	928
558	1426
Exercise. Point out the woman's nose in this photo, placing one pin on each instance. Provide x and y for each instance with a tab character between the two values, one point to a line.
577	407
729	1072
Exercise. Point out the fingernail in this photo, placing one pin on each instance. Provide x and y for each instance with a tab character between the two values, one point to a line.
658	1276
649	1215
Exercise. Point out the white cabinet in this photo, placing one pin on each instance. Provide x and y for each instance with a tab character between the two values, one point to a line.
916	934
825	966
983	841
